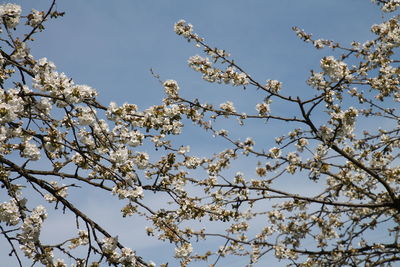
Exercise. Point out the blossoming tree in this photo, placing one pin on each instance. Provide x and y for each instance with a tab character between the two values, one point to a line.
46	118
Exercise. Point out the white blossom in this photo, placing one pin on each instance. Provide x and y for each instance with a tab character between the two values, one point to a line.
30	151
35	18
109	244
274	86
119	156
275	152
171	88
9	212
335	69
184	250
263	108
11	14
228	107
182	28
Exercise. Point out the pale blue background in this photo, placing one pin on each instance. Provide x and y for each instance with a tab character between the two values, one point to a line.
111	45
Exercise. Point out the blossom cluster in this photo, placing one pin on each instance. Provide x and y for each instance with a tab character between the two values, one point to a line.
9	212
125	258
10	14
336	70
212	74
59	86
389	6
35	18
30	232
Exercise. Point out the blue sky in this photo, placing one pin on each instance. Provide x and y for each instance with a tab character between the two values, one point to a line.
111	46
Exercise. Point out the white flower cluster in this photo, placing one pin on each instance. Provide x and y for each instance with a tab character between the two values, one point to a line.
30	231
273	86
59	85
186	30
263	108
228	107
336	70
127	112
235	78
81	240
319	44
11	14
302	34
21	52
9	212
211	74
119	156
183	251
391	6
128	193
301	144
183	150
127	257
275	152
247	146
86	116
217	54
7	134
317	81
387	81
44	106
171	88
62	191
109	244
294	160
30	151
127	137
282	252
181	28
326	133
11	105
192	162
141	160
199	63
346	120
166	118
60	263
389	31
35	18
86	138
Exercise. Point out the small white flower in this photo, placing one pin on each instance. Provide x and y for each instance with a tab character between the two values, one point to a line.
263	108
109	244
119	156
184	250
274	86
228	107
30	151
9	212
181	28
171	88
275	152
